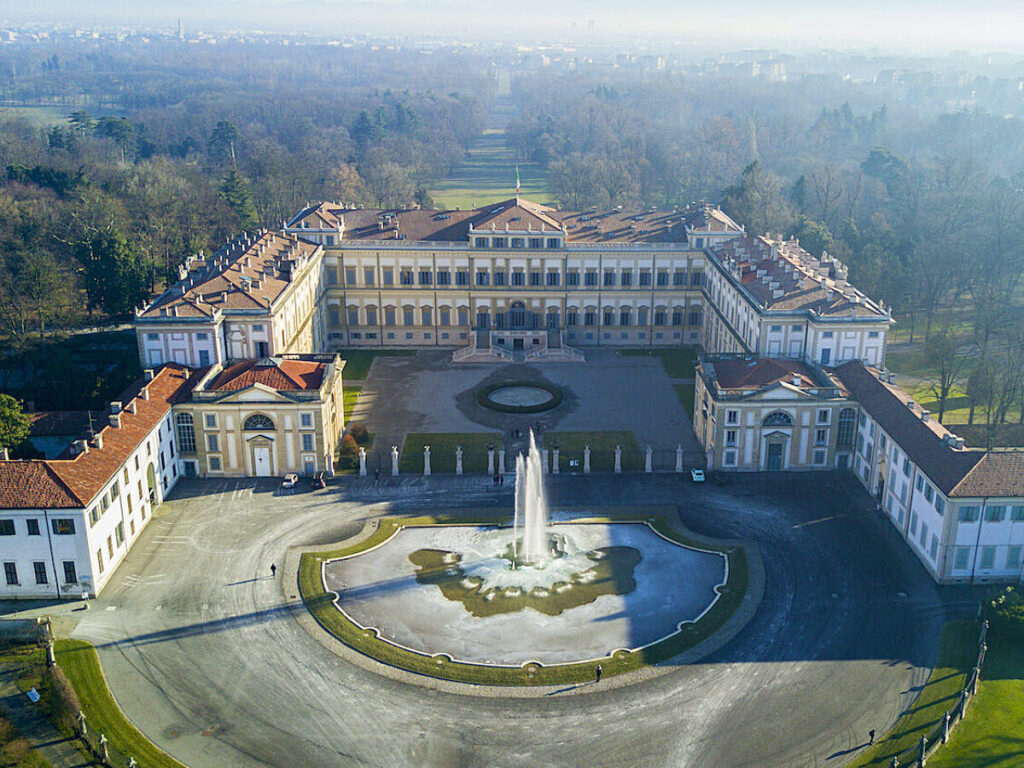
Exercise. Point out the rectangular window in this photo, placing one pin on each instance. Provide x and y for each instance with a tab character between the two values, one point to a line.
306	419
483	278
572	318
626	279
928	492
988	557
426	277
307	441
518	242
553	242
933	550
995	514
63	526
924	535
552	279
40	569
368	275
590	278
1013	558
940	505
678	278
961	559
371	316
500	242
589	318
572	278
677	317
462	277
11	572
730	437
389	315
211	420
405	277
389	277
6	527
407	317
212	443
1017	513
697	279
214	462
732	417
446	317
353	316
913	523
444	277
968	515
535	278
499	278
518	278
819	457
609	317
33	526
624	317
820	436
119	532
70	572
823	416
645	278
350	276
730	458
662	279
480	242
99	560
536	242
609	278
919	484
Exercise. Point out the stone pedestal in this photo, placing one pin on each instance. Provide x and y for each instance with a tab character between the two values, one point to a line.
618	458
426	459
648	459
544	459
679	458
554	461
458	459
501	461
362	461
586	459
490	461
394	460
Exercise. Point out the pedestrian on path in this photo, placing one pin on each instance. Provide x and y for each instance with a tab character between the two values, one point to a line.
598	672
273	573
871	736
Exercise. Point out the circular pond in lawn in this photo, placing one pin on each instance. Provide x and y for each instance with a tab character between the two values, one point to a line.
520	397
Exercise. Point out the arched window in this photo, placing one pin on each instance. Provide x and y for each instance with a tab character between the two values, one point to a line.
186	433
777	419
258	422
847	428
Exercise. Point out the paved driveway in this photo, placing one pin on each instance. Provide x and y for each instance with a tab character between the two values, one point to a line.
203	652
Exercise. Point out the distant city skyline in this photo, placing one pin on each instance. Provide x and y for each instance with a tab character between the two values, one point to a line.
909	25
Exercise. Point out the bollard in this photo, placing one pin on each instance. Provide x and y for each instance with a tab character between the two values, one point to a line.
131	763
554	460
426	460
501	461
679	459
895	762
394	460
647	459
618	458
544	460
83	729
490	460
974	682
945	727
586	459
103	748
362	461
923	757
458	459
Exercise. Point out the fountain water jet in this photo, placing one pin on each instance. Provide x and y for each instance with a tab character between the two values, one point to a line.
531	510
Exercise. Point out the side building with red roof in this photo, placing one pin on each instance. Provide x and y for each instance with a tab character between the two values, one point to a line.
262	418
67	523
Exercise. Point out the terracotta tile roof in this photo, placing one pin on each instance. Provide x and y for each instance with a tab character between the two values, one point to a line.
276	373
754	374
999	473
33	485
248	273
923	441
615	225
780	275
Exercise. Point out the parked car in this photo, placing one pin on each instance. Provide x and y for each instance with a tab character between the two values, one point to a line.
290	480
317	481
697	475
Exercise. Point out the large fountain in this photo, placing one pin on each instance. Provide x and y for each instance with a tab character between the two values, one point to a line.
549	591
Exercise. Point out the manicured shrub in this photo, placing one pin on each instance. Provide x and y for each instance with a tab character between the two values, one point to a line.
1006	613
64	704
348	453
359	432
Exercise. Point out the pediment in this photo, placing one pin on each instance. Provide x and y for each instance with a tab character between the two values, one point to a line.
780	391
256	393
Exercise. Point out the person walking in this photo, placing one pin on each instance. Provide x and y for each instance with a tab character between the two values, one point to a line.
273	570
871	736
598	672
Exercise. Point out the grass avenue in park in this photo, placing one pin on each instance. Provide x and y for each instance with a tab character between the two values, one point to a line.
452	591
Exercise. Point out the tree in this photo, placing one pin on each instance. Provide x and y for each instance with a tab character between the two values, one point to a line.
120	130
944	358
758	202
116	278
221	145
14	423
235	191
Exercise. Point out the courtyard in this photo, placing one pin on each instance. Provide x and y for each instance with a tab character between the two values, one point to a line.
219	663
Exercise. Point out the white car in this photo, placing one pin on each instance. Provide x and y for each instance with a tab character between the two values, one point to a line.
697	475
290	480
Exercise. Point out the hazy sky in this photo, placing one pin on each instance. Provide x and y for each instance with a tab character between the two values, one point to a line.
937	24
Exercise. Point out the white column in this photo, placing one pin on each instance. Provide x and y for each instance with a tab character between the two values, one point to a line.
394	460
554	461
362	461
679	458
458	459
544	459
618	458
586	459
490	461
647	459
501	461
426	459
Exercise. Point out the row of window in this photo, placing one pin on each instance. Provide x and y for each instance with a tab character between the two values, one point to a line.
551	278
61	526
40	571
517	242
503	320
987	558
994	513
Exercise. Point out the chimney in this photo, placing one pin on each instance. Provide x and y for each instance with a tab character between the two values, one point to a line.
115	406
4	456
959	442
924	415
145	393
148	374
97	439
115	420
910	404
130	407
797	380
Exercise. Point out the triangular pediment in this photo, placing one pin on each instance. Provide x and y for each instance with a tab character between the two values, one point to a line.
256	393
780	390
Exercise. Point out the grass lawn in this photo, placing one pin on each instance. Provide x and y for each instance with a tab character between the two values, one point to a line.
685	392
442	451
602	449
957	653
358	361
320	604
992	734
82	667
350	395
678	363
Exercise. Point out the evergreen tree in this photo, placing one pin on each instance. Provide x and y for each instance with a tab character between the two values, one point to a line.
116	278
235	191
